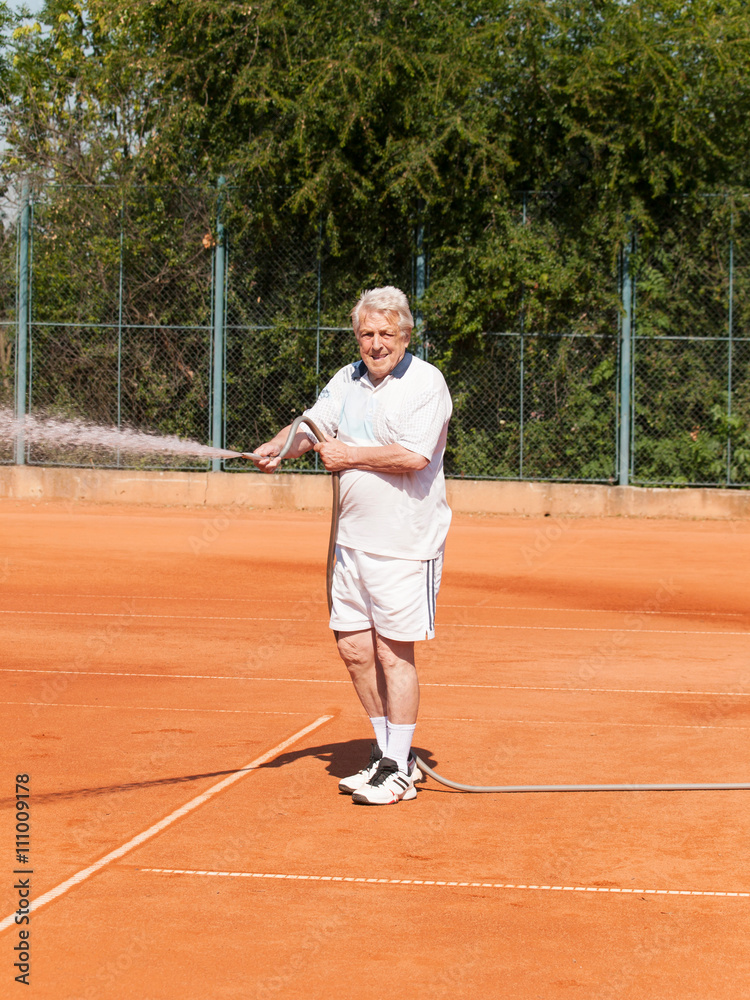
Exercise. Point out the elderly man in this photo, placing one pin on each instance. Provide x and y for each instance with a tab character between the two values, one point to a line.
385	419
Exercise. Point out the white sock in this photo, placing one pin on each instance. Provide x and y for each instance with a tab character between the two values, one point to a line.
399	744
380	725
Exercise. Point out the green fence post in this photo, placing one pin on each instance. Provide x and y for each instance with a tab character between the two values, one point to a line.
22	327
217	405
317	320
119	321
626	372
317	315
730	344
521	362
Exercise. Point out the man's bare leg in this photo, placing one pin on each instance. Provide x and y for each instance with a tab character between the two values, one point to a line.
385	679
358	651
396	660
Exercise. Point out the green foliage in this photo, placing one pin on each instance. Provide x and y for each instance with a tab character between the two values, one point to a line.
342	128
80	97
121	292
686	268
562	427
360	113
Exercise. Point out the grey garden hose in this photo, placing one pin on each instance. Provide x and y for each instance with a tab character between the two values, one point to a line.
727	786
335	483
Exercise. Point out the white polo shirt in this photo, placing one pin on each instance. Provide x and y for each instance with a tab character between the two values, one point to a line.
404	515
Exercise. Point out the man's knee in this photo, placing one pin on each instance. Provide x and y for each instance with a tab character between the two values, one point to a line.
394	654
356	649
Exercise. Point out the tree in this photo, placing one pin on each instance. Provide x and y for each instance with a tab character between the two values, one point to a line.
80	100
354	125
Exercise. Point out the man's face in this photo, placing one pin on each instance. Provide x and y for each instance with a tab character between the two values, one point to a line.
381	345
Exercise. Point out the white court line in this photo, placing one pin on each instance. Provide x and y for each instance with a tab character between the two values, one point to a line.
443	882
187	600
427	718
141	838
586	611
470	607
306	621
581	628
191	618
540	687
148	708
188	677
581	723
326	680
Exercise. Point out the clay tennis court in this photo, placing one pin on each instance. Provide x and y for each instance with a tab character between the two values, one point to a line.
150	654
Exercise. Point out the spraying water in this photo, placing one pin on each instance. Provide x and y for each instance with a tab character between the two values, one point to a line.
80	433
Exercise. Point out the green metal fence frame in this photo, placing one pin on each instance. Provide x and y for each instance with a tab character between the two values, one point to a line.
626	334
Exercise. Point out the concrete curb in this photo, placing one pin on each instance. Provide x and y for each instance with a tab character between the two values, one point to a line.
296	491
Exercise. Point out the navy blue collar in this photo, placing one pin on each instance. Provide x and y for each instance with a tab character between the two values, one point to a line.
360	368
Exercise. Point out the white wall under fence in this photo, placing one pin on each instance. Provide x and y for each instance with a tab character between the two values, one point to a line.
291	491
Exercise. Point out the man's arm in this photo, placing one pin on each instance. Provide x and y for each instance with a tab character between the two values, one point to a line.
393	458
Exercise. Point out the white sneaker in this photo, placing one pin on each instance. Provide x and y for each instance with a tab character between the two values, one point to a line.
355	781
414	773
386	786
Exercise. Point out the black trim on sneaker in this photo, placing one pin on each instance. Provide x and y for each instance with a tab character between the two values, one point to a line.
386	768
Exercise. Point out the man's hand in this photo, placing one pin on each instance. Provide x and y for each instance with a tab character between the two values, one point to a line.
268	452
268	460
335	455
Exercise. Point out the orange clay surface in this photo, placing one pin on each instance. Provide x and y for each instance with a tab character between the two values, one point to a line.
149	653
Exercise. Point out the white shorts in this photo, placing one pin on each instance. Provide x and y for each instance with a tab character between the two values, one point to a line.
396	597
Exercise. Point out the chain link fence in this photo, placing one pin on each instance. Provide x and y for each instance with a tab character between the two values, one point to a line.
537	406
120	315
535	397
691	348
135	297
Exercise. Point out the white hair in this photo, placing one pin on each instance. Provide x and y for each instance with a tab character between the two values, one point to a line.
388	300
